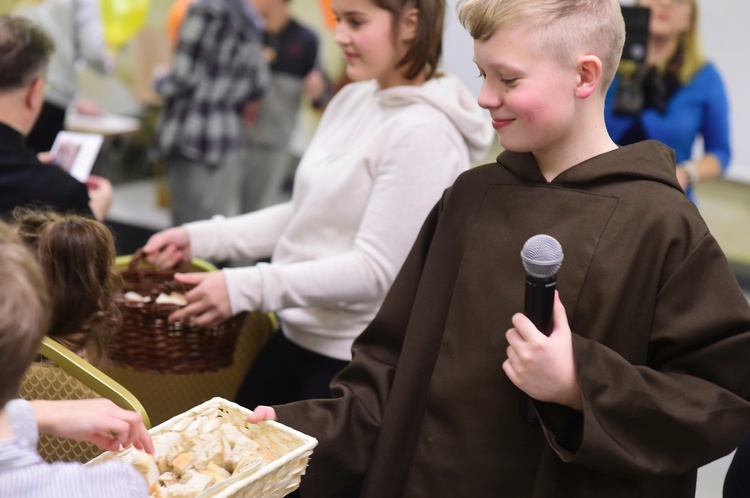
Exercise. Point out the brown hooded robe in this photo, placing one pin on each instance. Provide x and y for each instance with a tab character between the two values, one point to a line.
660	337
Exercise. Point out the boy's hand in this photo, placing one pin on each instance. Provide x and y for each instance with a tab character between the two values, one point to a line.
45	157
261	414
541	366
208	302
100	195
97	421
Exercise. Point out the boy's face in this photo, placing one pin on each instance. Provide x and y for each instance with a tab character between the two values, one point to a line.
530	95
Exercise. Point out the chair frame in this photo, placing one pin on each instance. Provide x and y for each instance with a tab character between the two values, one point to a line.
91	376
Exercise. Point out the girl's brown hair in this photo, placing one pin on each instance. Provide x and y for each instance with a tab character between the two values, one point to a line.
427	47
77	257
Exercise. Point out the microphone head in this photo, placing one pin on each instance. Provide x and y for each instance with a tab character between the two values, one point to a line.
542	256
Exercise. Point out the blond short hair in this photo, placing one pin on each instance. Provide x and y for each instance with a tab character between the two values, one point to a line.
566	28
24	311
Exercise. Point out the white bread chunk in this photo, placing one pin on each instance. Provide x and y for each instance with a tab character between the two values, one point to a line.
174	298
182	463
168	478
197	481
134	296
230	433
178	490
217	473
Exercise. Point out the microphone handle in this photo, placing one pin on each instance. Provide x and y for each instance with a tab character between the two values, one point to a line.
539	300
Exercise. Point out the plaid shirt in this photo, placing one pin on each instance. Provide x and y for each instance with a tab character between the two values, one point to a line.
217	67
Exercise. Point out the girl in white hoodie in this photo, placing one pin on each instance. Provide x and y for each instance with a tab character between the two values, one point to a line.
386	147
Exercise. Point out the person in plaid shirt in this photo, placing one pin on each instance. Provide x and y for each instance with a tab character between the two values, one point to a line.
217	71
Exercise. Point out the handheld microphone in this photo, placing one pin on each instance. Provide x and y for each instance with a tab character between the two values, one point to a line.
542	257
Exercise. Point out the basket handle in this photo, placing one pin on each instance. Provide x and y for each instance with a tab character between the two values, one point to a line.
140	257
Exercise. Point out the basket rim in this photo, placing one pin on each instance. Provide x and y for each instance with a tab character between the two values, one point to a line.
219	402
198	263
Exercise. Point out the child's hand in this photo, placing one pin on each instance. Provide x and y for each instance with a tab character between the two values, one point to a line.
208	303
97	421
541	366
262	413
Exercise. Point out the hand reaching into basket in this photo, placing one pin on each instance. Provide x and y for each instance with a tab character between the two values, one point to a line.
97	421
208	302
168	248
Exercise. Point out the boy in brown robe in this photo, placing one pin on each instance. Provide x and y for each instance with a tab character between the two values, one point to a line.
644	377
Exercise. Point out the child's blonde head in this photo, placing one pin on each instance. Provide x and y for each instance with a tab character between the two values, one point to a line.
564	28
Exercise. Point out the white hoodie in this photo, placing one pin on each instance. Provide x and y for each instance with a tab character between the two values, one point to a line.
377	164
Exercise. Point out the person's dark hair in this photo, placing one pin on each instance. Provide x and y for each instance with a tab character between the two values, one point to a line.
427	47
24	311
24	51
77	256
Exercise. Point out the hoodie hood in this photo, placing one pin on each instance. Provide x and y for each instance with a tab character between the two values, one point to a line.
647	160
450	96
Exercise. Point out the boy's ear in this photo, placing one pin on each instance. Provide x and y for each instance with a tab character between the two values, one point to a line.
409	24
589	75
34	97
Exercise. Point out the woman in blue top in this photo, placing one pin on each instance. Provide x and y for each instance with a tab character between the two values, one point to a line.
674	96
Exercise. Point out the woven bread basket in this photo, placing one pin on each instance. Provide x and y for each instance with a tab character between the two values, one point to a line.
148	342
272	480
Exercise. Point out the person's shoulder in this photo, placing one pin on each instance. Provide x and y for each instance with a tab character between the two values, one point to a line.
206	10
302	32
52	185
54	171
354	92
203	6
481	176
708	75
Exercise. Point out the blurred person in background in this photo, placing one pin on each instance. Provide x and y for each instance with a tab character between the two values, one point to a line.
675	96
77	30
25	51
217	71
292	53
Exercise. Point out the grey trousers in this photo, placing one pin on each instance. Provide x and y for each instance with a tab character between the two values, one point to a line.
197	191
263	174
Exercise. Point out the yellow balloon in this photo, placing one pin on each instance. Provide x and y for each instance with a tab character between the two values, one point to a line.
123	19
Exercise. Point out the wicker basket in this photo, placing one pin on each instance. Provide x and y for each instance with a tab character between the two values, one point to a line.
276	479
148	342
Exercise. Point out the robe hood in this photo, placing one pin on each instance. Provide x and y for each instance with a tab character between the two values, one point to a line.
450	96
647	160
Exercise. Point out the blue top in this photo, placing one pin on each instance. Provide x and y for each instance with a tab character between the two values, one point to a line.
23	473
698	108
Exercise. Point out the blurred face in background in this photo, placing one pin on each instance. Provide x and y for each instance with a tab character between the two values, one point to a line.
669	18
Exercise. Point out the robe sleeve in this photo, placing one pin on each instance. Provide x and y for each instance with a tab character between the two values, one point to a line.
347	426
688	405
